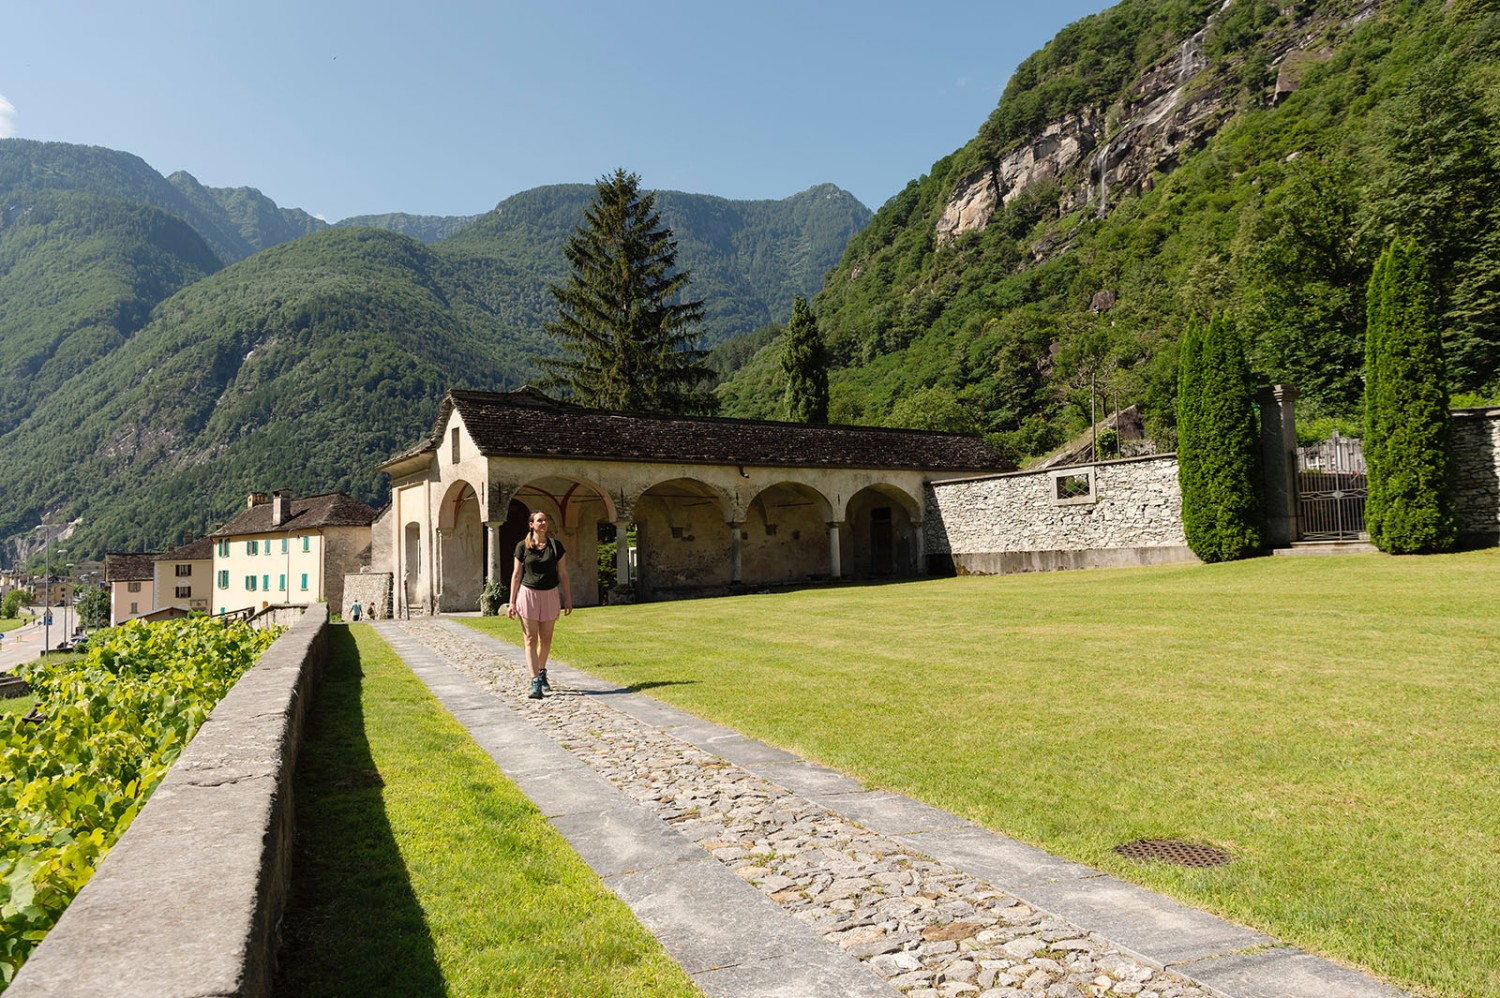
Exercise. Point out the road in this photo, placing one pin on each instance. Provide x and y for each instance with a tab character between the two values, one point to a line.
25	642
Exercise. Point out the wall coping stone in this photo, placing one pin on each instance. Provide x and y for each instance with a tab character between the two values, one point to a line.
187	902
1025	472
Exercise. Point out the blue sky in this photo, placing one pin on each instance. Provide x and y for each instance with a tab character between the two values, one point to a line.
344	108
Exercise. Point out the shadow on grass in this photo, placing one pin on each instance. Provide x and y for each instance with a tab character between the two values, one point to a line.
352	925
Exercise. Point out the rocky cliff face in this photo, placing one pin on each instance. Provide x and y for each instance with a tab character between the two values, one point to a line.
1173	109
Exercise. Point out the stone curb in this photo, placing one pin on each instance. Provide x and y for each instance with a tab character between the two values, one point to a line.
1224	959
187	902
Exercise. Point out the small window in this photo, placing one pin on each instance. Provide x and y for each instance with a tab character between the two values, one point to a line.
455	445
184	592
223	549
184	571
304	582
135	608
282	586
265	582
224	578
133	587
1073	487
677	532
250	583
306	543
252	547
284	542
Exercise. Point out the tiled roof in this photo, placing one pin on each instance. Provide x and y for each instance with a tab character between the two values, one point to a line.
526	423
200	550
332	509
129	567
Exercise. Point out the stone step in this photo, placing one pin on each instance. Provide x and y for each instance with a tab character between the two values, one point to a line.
1314	548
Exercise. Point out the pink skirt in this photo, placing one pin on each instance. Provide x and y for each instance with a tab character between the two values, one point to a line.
538	604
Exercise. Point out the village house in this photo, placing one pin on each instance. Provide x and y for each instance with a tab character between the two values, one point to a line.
713	505
281	550
132	585
183	577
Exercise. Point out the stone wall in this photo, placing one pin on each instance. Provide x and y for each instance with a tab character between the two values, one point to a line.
188	901
374	592
1476	466
1127	513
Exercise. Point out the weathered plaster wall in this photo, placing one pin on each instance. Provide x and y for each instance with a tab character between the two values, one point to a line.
374	590
1012	523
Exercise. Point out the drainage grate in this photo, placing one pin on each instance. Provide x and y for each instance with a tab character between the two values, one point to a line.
1173	851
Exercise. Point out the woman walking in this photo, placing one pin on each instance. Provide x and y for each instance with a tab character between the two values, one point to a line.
539	591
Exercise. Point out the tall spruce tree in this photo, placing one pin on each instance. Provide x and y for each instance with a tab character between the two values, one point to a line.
629	338
804	361
1217	450
1408	425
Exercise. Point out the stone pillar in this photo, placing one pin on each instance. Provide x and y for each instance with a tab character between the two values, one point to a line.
734	552
494	571
920	540
1278	462
835	565
436	585
622	554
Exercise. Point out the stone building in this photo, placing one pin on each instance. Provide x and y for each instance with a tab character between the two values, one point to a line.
714	505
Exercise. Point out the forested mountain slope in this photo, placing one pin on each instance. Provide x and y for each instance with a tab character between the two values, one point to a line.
1161	159
315	353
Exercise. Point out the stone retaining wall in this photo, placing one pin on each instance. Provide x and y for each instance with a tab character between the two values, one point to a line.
1130	514
1476	466
374	592
188	901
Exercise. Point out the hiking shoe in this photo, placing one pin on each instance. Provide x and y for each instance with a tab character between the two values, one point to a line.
536	689
543	677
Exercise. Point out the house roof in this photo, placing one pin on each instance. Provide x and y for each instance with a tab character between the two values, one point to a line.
527	423
129	567
332	509
200	550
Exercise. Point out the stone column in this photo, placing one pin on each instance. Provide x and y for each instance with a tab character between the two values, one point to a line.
622	554
919	529
1278	462
435	587
835	565
734	552
494	571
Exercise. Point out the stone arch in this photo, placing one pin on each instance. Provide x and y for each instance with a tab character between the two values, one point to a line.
785	535
882	534
413	578
683	539
577	508
460	549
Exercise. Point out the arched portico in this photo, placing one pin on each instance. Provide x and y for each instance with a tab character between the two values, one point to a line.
785	535
684	537
882	535
460	549
576	507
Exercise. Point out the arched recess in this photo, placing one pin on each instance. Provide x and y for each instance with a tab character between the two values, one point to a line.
575	508
786	535
879	540
413	579
682	537
461	549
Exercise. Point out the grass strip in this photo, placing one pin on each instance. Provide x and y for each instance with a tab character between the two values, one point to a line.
1333	722
421	870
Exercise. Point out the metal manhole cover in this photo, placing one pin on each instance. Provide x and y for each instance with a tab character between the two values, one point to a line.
1173	851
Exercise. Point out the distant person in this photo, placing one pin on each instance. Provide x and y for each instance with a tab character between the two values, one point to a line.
354	611
539	591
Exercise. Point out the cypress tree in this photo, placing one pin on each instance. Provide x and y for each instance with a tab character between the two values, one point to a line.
1221	504
804	361
1189	357
629	339
1408	425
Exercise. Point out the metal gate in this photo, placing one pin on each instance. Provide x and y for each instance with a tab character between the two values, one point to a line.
1331	490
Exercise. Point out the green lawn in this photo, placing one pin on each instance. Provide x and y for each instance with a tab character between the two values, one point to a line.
1333	722
420	870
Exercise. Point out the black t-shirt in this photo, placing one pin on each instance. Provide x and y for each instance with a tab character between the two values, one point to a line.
539	568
